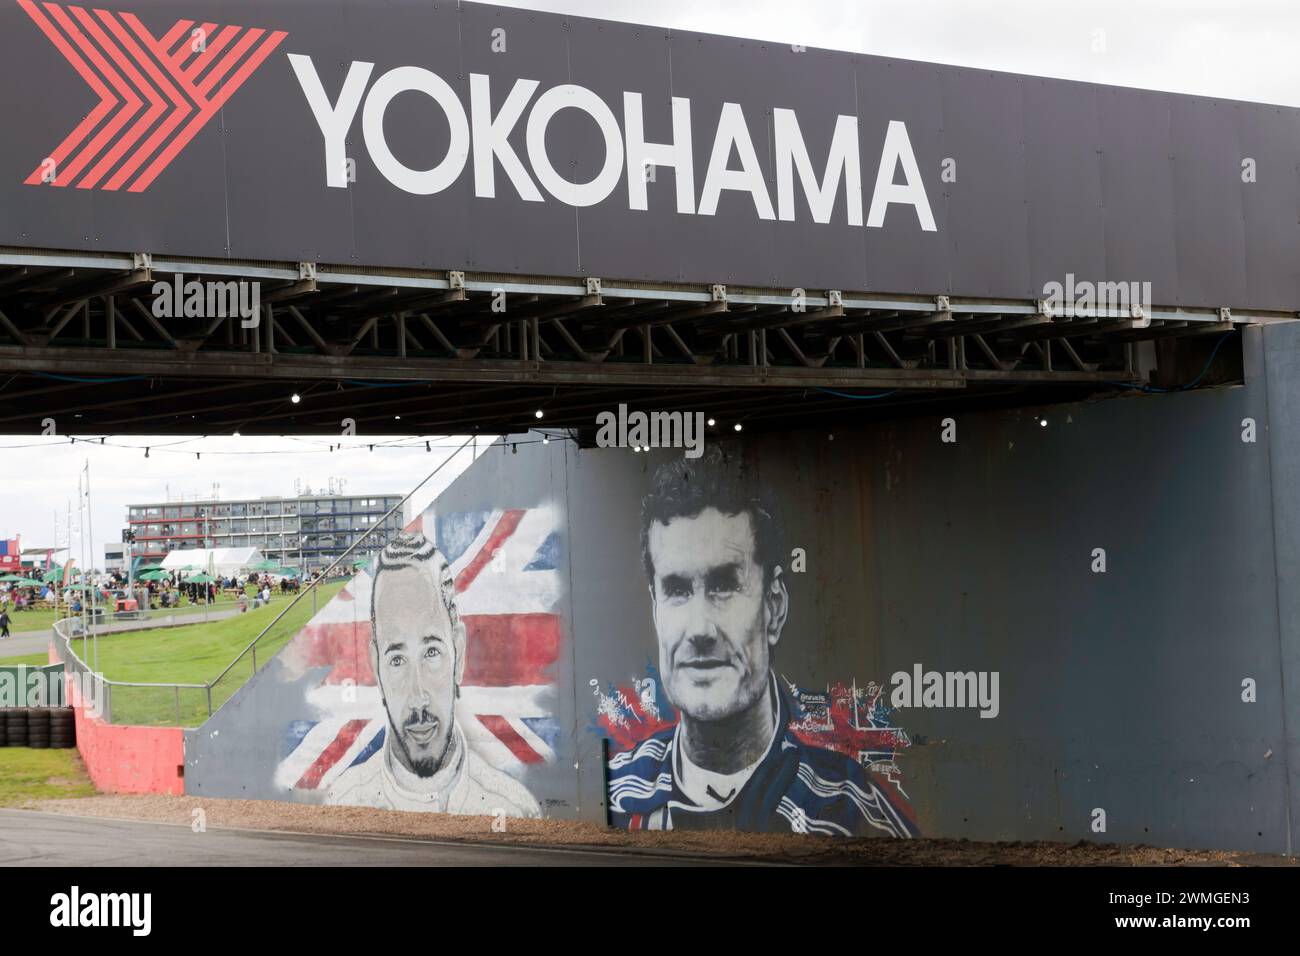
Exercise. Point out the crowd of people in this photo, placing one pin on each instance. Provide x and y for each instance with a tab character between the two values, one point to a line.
171	591
116	591
22	599
174	590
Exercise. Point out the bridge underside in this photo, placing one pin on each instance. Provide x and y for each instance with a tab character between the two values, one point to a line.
403	352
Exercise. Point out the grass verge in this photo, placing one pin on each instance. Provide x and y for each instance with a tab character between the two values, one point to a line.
31	660
192	654
41	775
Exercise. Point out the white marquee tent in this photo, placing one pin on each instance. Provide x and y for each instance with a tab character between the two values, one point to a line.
224	560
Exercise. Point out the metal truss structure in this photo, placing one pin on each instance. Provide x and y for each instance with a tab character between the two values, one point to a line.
420	352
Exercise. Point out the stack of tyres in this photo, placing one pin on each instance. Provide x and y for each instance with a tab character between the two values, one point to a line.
15	719
38	728
4	730
63	729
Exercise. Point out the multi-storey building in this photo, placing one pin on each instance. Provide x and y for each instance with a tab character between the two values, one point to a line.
307	531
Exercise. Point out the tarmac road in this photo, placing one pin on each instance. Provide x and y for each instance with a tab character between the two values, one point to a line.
32	838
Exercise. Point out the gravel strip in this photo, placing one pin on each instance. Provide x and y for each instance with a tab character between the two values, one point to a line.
352	821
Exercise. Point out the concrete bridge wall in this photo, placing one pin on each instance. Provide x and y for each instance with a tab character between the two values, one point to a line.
1119	692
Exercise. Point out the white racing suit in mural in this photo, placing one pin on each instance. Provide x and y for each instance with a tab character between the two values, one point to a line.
462	784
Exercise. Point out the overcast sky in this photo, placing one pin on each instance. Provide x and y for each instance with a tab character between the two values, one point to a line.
1240	49
39	476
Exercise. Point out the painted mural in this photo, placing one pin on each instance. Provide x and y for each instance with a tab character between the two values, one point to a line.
713	737
430	681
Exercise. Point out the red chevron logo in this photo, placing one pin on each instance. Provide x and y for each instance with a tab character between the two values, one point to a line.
180	80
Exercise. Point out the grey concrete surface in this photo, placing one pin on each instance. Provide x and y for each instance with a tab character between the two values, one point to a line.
32	838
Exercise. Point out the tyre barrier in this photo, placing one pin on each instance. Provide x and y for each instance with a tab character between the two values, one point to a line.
38	728
15	719
41	728
63	728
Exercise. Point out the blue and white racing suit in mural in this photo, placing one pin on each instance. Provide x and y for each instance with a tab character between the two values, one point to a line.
792	788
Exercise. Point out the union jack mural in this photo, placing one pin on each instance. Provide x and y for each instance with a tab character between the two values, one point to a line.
508	590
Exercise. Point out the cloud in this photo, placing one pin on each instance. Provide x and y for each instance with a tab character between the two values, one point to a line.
1240	50
41	476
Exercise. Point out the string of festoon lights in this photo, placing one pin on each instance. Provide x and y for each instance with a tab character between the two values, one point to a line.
406	442
410	442
295	398
330	447
323	446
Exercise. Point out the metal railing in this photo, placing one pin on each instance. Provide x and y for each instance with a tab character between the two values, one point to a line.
145	703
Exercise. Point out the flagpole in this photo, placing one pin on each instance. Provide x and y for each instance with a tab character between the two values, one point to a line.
90	531
55	583
81	541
